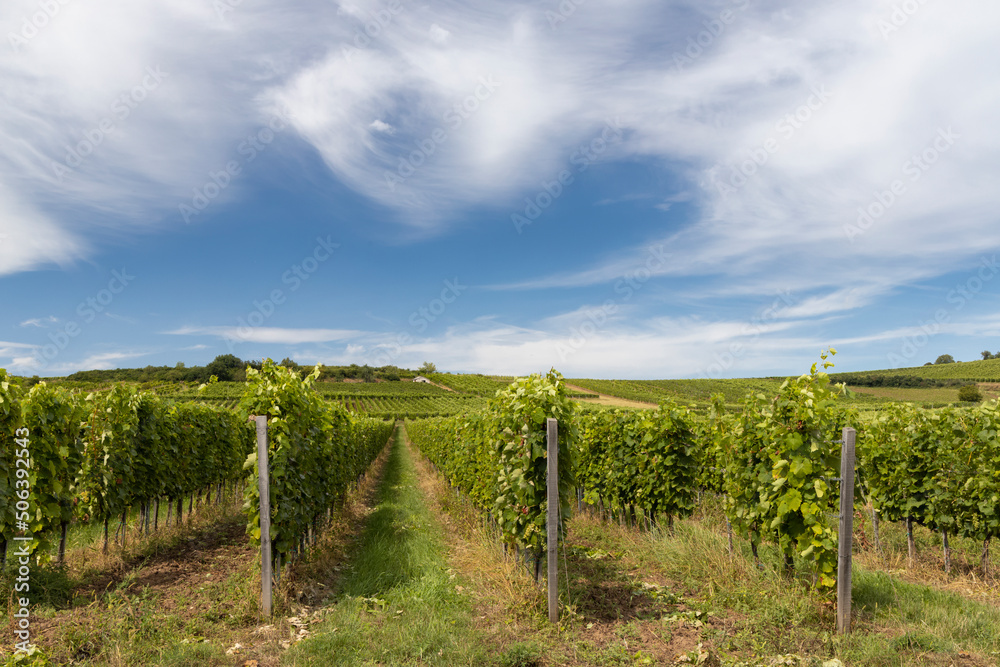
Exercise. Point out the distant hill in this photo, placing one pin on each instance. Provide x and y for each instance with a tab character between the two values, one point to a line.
925	376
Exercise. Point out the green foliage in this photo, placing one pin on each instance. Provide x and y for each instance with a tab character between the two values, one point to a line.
138	448
498	457
977	498
315	450
645	459
970	394
202	446
10	423
715	433
54	418
106	471
777	469
938	468
228	368
907	454
517	419
945	359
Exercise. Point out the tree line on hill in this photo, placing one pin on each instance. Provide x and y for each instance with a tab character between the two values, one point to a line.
948	359
230	368
881	380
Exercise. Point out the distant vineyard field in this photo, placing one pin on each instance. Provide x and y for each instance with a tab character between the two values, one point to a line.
331	389
478	385
685	391
973	371
928	386
410	407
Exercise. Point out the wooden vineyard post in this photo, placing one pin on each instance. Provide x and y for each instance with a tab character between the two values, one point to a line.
63	526
845	538
552	520
265	514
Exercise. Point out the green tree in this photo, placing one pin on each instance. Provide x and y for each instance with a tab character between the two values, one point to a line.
945	359
427	368
970	394
986	355
228	368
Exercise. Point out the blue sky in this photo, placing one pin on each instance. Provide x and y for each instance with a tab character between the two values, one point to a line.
629	189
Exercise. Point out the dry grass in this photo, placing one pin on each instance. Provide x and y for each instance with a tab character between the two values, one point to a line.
611	401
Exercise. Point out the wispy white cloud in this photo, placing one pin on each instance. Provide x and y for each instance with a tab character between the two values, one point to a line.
40	322
271	335
120	318
116	111
100	361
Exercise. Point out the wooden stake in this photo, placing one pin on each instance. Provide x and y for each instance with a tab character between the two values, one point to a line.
552	520
63	527
265	514
846	536
947	551
878	542
911	547
986	558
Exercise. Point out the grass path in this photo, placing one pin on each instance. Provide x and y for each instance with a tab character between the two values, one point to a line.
398	602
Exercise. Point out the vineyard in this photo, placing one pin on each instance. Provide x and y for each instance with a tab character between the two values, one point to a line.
647	466
685	391
763	456
413	407
868	392
402	389
478	385
380	400
642	465
95	457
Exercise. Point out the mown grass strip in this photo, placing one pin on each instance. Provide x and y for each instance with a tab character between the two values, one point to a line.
398	603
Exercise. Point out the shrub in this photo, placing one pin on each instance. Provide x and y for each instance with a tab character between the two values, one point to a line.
970	393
